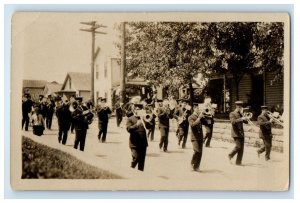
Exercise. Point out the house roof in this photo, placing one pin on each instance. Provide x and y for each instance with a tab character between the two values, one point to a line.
53	87
34	83
82	81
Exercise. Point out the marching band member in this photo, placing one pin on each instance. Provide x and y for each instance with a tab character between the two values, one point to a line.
195	120
103	112
181	115
137	140
119	113
237	132
164	115
81	122
151	129
26	109
265	132
64	118
50	112
209	121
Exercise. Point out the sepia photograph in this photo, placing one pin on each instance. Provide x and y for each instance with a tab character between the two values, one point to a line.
150	101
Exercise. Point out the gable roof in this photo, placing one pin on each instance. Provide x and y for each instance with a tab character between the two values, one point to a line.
82	81
53	87
34	83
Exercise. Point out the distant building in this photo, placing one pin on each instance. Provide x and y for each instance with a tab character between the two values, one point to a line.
254	89
78	85
52	88
34	88
108	79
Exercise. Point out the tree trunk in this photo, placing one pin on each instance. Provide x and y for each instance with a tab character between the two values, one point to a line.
191	93
237	82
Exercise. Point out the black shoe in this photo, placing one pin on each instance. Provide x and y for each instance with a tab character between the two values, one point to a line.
165	150
229	157
267	159
196	169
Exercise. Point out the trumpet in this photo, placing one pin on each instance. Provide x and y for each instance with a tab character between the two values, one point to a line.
274	116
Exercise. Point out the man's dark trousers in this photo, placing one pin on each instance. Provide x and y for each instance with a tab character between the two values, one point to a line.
238	149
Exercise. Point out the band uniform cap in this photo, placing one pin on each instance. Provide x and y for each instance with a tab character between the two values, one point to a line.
58	98
103	100
41	96
78	99
159	100
239	102
99	99
264	107
138	105
26	95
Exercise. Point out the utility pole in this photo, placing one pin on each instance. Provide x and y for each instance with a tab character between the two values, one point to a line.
92	29
123	64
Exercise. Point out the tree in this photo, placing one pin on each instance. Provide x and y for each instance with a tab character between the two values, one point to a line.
269	48
170	54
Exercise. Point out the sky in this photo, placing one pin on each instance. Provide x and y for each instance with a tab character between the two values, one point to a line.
45	46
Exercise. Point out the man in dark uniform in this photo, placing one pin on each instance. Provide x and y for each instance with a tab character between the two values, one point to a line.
209	121
137	140
265	132
195	120
151	130
26	109
50	112
164	115
63	115
43	106
102	111
237	132
80	123
119	113
182	114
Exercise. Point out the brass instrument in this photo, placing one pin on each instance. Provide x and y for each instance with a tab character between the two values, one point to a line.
141	114
248	116
208	110
184	115
275	117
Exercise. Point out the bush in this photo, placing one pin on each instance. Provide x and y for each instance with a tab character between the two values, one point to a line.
40	161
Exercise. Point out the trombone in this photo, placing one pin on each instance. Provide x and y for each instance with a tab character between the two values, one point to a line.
274	116
248	116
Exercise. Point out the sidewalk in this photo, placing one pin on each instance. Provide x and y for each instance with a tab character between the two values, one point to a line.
172	170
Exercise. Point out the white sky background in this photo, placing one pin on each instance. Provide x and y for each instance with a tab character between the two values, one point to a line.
50	45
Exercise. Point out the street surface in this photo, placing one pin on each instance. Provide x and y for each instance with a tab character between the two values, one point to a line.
171	170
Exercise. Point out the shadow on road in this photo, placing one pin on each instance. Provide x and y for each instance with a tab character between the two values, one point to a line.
217	147
153	155
111	142
251	165
175	151
101	156
163	177
211	171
